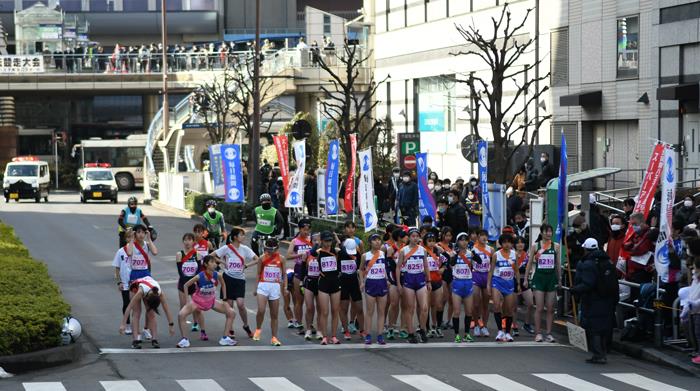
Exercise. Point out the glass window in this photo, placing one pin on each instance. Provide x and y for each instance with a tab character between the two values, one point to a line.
171	5
21	170
135	5
28	3
99	175
628	47
71	5
100	5
7	5
326	24
35	145
680	12
203	5
435	97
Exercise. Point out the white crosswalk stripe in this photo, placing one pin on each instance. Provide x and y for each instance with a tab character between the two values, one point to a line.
122	385
275	384
199	385
350	383
47	386
642	382
570	382
424	382
498	383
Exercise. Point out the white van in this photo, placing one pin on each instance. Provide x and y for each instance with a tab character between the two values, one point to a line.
26	178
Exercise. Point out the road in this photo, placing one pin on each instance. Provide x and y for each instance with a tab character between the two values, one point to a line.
78	242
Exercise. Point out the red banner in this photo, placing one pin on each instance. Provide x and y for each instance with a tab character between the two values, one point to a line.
282	147
350	182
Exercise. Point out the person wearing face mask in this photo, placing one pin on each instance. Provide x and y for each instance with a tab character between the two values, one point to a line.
531	176
600	229
437	190
407	199
442	206
473	207
214	224
130	217
686	214
394	183
522	226
617	235
578	233
472	186
446	187
548	170
268	222
455	216
640	248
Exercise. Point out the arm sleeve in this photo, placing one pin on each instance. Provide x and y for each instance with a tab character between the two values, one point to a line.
587	281
222	223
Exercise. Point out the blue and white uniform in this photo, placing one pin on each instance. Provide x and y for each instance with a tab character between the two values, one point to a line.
462	284
413	269
504	273
376	284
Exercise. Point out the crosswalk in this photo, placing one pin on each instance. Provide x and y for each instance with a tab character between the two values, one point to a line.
497	382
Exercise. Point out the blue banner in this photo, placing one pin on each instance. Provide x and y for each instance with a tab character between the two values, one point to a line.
426	203
563	204
216	166
233	173
332	178
488	222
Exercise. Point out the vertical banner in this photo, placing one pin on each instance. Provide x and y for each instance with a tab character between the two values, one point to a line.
216	166
668	195
426	203
350	181
488	222
282	148
563	199
331	185
365	191
233	173
295	197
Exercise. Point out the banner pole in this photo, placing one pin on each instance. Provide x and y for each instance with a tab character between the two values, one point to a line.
571	280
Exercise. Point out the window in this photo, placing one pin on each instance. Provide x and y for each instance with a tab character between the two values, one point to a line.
434	97
35	145
560	57
42	171
171	5
99	175
101	5
7	5
71	5
28	3
135	5
203	5
628	47
326	24
680	12
21	170
117	157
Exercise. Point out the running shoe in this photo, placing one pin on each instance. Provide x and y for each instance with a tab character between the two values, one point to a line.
695	360
439	333
335	341
412	338
500	337
247	331
324	341
155	344
485	332
390	335
468	338
458	339
380	339
386	330
275	342
432	333
298	325
423	337
516	329
128	330
347	335
352	328
290	324
136	344
539	338
256	335
227	341
301	332
508	337
195	327
319	336
550	339
368	339
184	343
477	331
528	327
203	336
403	334
307	335
147	334
363	333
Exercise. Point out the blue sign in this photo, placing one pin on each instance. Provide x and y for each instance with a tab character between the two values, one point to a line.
216	165
563	204
233	173
431	121
426	203
332	178
489	222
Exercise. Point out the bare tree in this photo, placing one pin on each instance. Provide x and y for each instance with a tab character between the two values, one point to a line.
503	52
349	100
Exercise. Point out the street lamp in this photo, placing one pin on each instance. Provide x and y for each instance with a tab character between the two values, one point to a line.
254	139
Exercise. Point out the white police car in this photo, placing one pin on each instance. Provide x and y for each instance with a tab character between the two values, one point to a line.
26	177
97	183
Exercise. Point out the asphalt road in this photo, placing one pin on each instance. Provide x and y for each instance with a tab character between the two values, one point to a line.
78	243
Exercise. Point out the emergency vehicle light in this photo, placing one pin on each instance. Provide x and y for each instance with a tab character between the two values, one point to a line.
97	165
25	159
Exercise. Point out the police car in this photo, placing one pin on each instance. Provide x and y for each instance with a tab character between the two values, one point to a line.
26	177
97	183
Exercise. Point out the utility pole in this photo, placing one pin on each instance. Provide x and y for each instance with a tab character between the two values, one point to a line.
254	140
537	69
164	71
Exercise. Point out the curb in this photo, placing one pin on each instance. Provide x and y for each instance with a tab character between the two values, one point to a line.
46	358
176	211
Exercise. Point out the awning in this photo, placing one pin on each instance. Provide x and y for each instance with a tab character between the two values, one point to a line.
678	92
586	99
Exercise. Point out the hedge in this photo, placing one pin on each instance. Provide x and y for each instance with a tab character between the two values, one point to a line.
233	212
32	309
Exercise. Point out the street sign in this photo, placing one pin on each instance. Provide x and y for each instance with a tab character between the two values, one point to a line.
409	144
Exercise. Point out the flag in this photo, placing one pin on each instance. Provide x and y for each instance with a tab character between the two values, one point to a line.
233	173
295	197
282	148
563	199
216	166
365	191
668	195
350	182
488	222
426	203
331	184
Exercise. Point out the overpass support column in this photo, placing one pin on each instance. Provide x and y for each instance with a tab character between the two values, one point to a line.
307	102
149	108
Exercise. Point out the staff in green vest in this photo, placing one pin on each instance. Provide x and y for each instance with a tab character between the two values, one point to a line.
215	224
268	221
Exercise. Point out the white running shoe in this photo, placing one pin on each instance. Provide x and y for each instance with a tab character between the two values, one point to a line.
184	343
147	334
227	341
307	335
549	338
500	337
128	330
319	335
477	331
508	337
485	332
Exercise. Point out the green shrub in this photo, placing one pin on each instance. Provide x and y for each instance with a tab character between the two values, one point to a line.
233	212
31	318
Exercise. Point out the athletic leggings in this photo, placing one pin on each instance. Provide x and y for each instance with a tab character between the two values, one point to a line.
125	303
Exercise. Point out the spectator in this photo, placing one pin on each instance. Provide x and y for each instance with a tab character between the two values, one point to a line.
676	258
577	236
600	229
618	227
514	204
408	199
393	190
548	170
446	187
437	190
531	176
521	225
315	54
474	211
456	213
473	186
442	206
310	193
686	214
519	179
433	175
382	193
628	207
690	315
640	247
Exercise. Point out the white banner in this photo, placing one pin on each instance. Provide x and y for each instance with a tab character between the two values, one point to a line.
365	191
295	198
668	195
22	64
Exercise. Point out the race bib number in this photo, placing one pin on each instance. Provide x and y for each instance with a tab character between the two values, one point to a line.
138	263
377	272
132	219
482	267
272	274
433	265
234	265
507	273
189	269
462	271
329	264
314	270
415	266
264	223
348	266
207	291
546	261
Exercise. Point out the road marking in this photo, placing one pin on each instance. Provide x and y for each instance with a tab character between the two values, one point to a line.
570	382
102	263
642	382
275	384
424	382
354	346
498	383
199	384
350	383
122	385
48	386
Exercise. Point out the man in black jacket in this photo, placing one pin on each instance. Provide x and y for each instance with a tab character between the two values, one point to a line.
456	214
548	170
597	304
407	198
